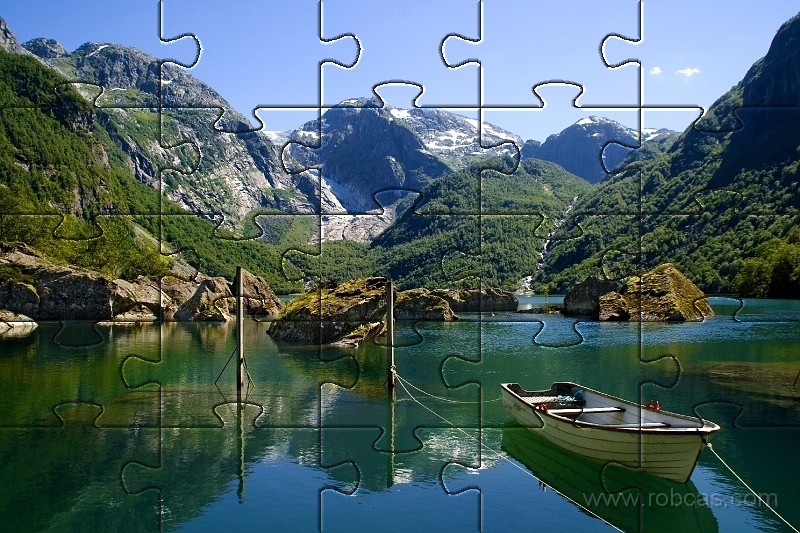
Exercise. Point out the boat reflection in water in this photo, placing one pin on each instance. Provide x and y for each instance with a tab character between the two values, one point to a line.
665	505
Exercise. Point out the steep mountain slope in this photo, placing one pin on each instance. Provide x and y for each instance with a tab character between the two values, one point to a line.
237	174
578	147
57	159
756	155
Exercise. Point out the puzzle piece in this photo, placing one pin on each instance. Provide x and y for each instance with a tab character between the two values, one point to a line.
398	159
570	487
201	474
90	374
365	404
64	478
294	31
585	27
417	59
383	500
189	392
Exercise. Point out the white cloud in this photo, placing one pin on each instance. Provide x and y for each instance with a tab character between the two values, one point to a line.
688	71
655	70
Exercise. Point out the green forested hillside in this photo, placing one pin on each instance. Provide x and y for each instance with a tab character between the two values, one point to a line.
57	159
725	186
411	251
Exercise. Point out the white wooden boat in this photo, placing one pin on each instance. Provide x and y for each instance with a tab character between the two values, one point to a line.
606	428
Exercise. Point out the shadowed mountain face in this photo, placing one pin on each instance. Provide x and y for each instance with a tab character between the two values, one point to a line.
747	144
579	148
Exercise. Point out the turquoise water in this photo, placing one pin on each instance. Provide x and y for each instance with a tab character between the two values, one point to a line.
125	429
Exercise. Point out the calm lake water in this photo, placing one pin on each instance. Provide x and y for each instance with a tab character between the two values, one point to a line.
123	428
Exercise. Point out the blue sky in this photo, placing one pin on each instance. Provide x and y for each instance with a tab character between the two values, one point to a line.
266	53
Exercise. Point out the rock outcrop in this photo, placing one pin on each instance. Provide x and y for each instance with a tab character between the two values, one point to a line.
15	324
486	300
422	304
584	298
44	291
664	294
352	312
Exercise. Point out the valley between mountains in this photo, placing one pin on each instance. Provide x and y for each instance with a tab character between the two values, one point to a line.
134	141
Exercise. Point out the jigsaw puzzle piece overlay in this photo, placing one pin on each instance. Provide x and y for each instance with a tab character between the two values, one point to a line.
585	26
398	489
88	374
560	107
370	403
570	489
268	476
738	353
713	498
533	236
519	359
66	478
295	31
195	373
408	48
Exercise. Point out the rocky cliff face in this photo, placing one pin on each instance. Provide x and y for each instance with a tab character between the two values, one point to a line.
661	295
44	291
235	175
8	41
584	298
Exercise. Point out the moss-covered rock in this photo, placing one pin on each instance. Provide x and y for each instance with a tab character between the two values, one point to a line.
352	312
466	300
422	304
663	293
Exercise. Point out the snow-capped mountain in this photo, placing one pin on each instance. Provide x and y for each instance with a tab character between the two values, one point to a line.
365	147
578	148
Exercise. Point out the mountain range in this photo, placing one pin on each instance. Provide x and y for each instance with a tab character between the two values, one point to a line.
238	181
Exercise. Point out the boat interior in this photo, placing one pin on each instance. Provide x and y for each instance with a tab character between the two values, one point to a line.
591	407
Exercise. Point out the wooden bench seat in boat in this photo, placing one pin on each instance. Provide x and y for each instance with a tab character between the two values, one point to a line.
586	410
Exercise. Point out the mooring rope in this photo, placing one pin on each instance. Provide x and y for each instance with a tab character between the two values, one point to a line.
721	460
504	457
439	397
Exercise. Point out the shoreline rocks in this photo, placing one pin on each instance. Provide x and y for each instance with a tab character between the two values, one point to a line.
15	324
486	300
46	291
355	311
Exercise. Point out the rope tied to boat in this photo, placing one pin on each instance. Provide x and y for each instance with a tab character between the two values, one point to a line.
502	456
440	398
721	460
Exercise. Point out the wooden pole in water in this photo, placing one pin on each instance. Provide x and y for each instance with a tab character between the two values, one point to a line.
239	335
390	334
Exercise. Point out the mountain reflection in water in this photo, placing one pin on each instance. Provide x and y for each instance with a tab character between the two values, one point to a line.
268	465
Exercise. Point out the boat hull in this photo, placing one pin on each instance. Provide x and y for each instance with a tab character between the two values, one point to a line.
666	453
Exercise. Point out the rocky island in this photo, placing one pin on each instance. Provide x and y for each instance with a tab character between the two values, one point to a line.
663	294
355	311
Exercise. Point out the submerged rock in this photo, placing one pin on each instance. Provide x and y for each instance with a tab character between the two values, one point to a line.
663	293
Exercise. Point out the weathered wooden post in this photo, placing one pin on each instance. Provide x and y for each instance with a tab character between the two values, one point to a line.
390	334
239	334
